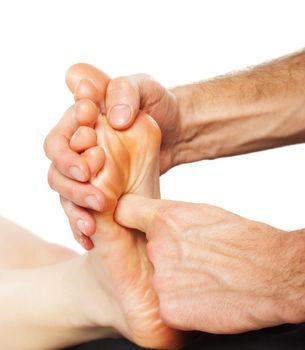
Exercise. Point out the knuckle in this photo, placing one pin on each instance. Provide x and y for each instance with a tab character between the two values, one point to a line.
83	104
159	219
64	160
165	216
74	191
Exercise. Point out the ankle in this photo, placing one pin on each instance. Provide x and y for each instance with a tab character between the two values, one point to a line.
99	310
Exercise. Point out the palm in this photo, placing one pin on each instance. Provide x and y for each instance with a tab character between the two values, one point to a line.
131	166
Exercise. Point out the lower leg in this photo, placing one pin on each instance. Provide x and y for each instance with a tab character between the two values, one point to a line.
21	249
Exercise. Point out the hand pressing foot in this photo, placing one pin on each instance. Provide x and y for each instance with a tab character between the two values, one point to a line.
118	262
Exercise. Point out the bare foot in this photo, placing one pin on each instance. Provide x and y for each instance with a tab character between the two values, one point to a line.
118	262
119	257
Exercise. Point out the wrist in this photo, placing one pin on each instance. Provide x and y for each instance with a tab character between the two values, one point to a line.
185	150
203	120
212	114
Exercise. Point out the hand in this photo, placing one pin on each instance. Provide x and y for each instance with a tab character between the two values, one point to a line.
94	92
215	271
69	159
126	96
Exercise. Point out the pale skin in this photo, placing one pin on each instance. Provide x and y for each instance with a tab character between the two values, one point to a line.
56	298
253	110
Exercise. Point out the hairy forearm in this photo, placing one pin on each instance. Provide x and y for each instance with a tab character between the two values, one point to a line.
44	308
259	108
291	287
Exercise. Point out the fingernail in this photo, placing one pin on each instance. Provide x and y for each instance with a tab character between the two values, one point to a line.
92	202
120	114
76	173
82	226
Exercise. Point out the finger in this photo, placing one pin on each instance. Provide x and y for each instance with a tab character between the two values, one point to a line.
122	102
82	223
57	149
86	112
82	194
95	158
138	212
85	89
83	138
99	81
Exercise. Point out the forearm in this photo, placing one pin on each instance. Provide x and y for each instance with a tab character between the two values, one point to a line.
45	308
249	111
290	288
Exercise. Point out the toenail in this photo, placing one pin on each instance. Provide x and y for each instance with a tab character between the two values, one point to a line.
120	114
92	202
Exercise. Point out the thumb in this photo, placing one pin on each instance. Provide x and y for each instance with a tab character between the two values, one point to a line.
122	102
134	211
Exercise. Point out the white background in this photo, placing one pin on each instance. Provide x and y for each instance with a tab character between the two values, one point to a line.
177	42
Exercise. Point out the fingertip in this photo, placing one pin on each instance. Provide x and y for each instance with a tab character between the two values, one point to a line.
86	225
83	240
95	158
84	71
100	197
83	138
85	89
131	211
81	222
86	242
86	112
79	170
